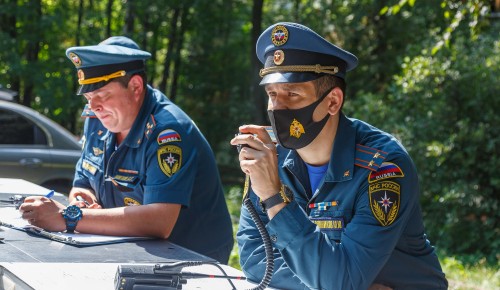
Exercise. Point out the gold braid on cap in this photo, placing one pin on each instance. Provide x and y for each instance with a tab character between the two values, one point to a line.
300	68
103	78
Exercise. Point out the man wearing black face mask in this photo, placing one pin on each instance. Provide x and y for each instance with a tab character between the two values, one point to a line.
339	197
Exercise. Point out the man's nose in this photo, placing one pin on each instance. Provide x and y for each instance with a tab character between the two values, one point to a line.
276	103
94	104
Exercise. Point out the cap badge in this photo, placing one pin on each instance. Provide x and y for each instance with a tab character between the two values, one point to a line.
279	35
81	75
75	59
296	129
279	57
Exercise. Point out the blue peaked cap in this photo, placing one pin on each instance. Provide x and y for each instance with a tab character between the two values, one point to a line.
112	58
293	53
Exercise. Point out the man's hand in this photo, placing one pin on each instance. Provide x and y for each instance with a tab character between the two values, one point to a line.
87	199
43	212
259	160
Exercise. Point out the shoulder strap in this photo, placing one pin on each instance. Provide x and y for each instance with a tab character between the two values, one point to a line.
369	158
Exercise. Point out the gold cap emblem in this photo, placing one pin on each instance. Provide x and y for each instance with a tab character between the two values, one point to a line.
279	57
75	59
279	35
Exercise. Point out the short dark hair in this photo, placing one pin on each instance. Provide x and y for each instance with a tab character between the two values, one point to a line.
124	80
328	83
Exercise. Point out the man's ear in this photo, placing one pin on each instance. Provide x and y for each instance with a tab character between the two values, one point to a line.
136	84
336	98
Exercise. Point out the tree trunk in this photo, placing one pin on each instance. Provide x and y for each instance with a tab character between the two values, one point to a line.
128	28
172	39
8	20
32	49
177	59
109	10
256	91
79	23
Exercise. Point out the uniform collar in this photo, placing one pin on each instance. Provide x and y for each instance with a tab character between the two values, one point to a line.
341	164
137	133
344	149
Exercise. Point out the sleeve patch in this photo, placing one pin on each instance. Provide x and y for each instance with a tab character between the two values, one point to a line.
385	171
384	201
167	136
169	159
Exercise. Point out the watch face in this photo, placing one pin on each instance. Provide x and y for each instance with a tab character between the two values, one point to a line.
73	212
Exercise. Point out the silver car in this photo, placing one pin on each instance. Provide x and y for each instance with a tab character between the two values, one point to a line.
35	148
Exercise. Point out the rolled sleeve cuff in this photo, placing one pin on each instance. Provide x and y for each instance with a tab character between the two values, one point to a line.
82	184
285	226
161	194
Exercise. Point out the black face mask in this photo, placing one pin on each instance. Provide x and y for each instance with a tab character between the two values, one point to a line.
295	129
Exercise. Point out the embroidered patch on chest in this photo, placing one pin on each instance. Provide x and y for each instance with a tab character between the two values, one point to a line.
87	166
385	201
126	178
130	201
386	170
169	159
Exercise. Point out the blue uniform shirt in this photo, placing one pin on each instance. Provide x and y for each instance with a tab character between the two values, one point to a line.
363	225
164	159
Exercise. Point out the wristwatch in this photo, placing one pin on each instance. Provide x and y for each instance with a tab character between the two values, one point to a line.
72	214
285	195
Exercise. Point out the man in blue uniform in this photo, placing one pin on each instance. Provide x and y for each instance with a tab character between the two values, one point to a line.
145	169
339	197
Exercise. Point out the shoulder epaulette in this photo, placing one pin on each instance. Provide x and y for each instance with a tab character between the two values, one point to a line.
150	126
369	158
87	112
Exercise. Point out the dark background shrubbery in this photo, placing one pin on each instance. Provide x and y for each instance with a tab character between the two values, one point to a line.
428	73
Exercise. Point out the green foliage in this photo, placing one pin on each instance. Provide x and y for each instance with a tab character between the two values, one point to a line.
443	107
477	275
428	73
233	200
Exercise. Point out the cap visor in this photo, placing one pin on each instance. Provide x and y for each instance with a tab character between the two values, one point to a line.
90	87
288	77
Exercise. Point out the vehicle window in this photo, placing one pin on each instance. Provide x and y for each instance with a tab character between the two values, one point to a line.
16	129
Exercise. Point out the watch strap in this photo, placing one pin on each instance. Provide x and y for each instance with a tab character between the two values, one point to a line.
71	226
272	201
276	199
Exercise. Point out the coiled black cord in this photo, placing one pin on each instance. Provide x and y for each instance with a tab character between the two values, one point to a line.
267	245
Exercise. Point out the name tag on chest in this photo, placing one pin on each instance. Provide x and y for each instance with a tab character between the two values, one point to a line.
328	223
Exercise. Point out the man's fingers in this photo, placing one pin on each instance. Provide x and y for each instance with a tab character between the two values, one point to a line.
260	131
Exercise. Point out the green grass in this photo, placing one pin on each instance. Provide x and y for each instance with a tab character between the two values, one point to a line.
461	276
479	276
233	200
